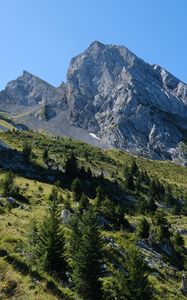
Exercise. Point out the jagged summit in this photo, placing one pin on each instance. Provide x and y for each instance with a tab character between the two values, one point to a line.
96	44
117	97
27	74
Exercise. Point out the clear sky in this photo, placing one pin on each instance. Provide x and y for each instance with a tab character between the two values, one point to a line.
41	36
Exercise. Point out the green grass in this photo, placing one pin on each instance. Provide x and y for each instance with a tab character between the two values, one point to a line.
14	227
6	125
111	161
14	223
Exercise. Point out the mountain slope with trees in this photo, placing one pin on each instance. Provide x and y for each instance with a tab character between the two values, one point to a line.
77	221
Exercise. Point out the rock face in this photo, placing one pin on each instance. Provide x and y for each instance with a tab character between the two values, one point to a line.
127	103
29	90
117	97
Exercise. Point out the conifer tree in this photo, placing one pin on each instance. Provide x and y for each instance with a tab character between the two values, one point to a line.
27	152
50	250
71	167
86	256
8	184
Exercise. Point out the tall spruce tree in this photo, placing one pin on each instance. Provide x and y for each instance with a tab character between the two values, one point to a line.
27	152
51	242
86	256
71	166
8	184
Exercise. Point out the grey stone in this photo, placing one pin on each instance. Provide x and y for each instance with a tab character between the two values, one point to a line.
111	98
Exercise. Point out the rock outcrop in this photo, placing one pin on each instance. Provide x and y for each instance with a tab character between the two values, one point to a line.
113	95
29	90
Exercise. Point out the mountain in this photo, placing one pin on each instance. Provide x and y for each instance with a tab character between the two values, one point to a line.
111	98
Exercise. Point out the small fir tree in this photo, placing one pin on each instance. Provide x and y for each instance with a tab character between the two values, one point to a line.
7	184
51	243
27	152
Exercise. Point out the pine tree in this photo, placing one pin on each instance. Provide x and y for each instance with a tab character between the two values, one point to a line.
8	184
27	152
50	250
71	167
86	256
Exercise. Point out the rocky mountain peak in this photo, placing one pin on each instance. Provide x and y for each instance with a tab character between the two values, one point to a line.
27	74
96	45
114	95
29	90
125	101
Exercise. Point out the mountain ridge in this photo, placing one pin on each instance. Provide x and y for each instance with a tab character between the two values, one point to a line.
112	94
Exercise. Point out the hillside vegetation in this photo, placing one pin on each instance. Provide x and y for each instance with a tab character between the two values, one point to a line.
139	204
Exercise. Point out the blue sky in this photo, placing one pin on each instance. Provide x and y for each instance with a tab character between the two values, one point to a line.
41	36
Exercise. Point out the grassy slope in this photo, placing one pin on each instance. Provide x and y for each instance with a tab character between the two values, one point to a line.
6	123
15	223
111	161
13	232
